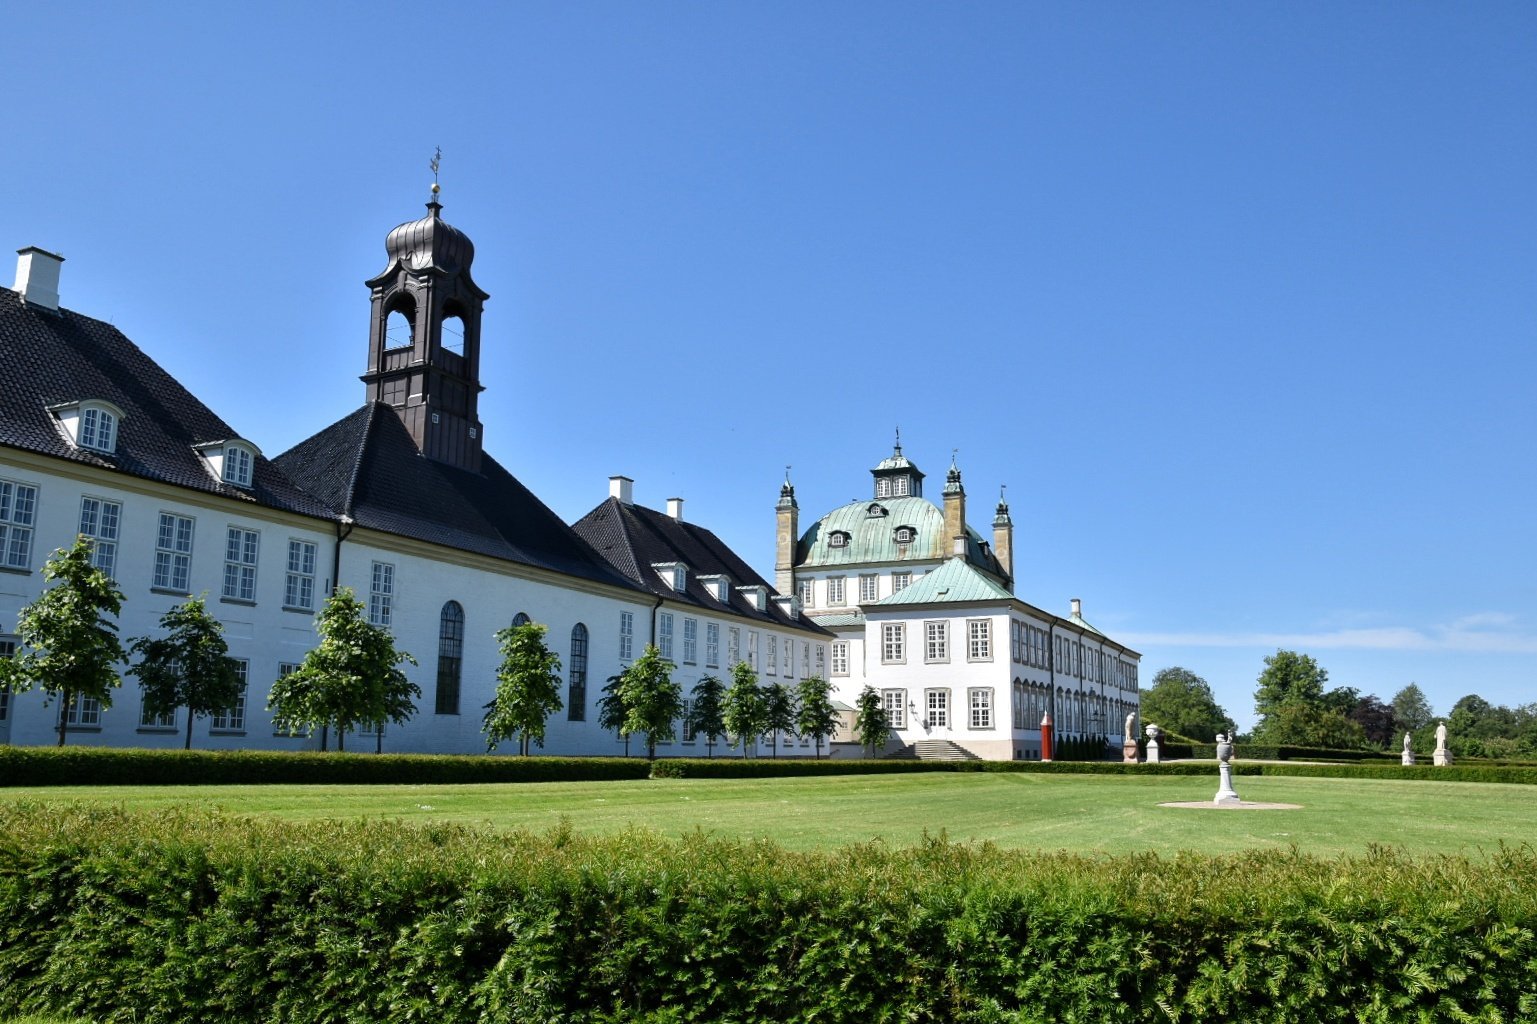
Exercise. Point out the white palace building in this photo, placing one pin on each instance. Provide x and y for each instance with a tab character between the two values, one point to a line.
401	502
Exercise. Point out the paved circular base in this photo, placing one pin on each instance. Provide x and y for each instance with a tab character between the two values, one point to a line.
1234	805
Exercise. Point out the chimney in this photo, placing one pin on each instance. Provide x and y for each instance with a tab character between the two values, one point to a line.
675	508
1077	608
37	277
623	488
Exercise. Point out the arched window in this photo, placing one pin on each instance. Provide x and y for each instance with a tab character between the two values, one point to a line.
904	534
838	539
453	334
576	695
450	657
521	619
397	329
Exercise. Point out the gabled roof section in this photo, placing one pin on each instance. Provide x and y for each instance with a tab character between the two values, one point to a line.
1078	620
955	581
633	538
367	467
51	359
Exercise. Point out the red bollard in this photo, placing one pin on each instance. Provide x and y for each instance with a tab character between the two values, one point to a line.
1046	737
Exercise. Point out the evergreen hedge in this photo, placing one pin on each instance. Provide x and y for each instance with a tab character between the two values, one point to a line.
197	917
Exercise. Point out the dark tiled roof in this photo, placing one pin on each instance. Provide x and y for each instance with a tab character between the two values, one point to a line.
49	359
634	538
366	466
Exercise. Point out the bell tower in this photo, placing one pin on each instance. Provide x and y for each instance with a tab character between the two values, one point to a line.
424	338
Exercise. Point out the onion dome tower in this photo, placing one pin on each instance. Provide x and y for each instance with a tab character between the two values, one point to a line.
424	338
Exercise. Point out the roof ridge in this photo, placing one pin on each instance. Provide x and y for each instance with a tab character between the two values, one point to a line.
357	460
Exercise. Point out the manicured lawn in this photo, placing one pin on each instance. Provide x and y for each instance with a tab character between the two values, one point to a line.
1112	814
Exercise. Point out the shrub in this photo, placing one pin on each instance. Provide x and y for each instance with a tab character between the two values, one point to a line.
200	917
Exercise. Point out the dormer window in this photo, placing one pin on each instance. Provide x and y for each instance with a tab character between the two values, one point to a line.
904	534
91	424
838	539
232	462
719	586
757	596
674	574
876	510
883	487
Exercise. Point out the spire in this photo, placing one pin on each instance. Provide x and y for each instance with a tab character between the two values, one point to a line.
1002	516
953	477
787	492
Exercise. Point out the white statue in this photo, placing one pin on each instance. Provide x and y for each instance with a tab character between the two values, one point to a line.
1226	794
1132	717
1442	756
1408	755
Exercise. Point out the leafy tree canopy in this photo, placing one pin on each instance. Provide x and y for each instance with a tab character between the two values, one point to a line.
68	640
352	677
1375	719
527	688
779	713
1181	702
707	708
1306	725
870	722
744	715
1288	678
653	702
187	666
1410	708
817	718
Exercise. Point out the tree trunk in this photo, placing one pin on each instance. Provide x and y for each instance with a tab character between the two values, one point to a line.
63	714
650	748
379	739
341	739
325	735
188	745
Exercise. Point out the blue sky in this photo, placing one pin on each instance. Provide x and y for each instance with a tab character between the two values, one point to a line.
1237	299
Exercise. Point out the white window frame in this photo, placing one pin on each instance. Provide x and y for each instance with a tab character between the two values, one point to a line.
381	594
101	520
822	659
893	643
894	703
98	429
980	702
7	650
288	668
155	723
231	720
936	704
869	587
690	641
299	582
239	465
626	636
936	641
805	659
900	581
242	549
712	645
83	712
18	518
664	634
840	658
771	662
173	552
752	649
807	590
979	639
835	591
733	647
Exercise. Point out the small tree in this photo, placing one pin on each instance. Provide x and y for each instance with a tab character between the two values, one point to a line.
870	721
188	666
817	717
743	713
652	701
1410	708
70	648
1182	702
352	677
778	713
612	712
707	713
527	688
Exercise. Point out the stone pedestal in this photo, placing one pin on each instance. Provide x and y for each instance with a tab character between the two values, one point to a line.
1443	758
1226	794
1129	752
1408	759
1152	751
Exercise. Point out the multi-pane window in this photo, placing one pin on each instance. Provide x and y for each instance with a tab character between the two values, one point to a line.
149	720
979	640
789	658
835	590
712	644
626	635
893	642
173	552
936	641
822	660
18	511
869	587
806	660
98	429
286	669
237	466
664	634
883	487
938	702
240	564
981	708
7	650
894	703
576	697
807	588
687	722
773	655
299	586
900	581
450	658
690	641
733	647
232	718
381	594
83	712
840	657
752	649
100	521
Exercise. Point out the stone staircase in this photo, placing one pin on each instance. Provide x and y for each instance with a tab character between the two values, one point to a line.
935	750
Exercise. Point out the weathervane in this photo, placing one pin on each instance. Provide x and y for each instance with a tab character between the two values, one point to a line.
437	158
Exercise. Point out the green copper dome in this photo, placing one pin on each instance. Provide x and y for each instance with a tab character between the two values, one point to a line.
871	531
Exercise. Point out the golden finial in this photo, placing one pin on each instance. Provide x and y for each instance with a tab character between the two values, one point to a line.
437	158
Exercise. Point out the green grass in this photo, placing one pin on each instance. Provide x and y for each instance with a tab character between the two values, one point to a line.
1110	814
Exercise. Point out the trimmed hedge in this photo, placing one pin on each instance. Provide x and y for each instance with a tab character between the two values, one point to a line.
101	766
196	917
